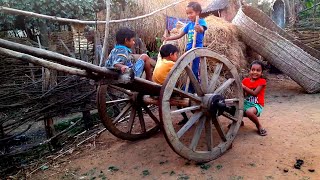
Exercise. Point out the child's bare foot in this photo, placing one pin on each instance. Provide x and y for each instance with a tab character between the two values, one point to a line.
262	132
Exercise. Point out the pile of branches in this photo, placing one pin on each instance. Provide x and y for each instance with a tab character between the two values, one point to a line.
24	102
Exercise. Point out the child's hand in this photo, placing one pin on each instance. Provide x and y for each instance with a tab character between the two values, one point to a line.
243	86
164	38
123	68
198	28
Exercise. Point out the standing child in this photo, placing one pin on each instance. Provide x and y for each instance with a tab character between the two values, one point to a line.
193	10
169	55
254	89
120	56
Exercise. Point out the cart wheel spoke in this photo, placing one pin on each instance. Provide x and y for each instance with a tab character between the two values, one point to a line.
224	86
229	117
118	101
131	120
122	113
214	78
232	102
208	129
189	124
194	81
121	90
187	95
153	117
141	119
197	133
217	124
187	109
204	74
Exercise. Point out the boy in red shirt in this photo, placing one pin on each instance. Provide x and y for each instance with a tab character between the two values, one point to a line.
254	88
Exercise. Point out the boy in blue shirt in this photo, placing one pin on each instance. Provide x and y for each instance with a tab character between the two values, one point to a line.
193	10
120	57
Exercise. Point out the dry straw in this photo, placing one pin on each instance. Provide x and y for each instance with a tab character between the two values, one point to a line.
223	38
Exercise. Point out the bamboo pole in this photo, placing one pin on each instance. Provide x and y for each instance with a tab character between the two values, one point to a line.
194	42
106	34
54	18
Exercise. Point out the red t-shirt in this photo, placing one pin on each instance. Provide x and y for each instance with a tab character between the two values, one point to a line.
259	99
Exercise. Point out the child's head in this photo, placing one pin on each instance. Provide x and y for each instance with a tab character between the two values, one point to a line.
125	36
256	69
169	52
193	10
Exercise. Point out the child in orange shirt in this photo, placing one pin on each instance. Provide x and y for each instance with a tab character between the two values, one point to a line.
169	55
254	88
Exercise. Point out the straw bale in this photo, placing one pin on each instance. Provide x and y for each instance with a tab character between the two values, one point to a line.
223	38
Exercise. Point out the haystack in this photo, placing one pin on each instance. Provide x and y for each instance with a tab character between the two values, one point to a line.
223	38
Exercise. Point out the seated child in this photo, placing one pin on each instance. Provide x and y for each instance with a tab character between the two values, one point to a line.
169	55
254	88
120	56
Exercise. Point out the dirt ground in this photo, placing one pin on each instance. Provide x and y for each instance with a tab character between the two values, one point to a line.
291	117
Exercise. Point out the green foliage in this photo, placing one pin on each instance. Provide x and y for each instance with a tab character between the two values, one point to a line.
219	166
205	166
146	172
113	168
78	9
310	13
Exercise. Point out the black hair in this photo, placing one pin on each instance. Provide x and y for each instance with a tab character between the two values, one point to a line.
257	62
168	49
123	34
195	6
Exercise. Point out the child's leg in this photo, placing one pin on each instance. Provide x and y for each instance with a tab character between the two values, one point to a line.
147	66
195	70
252	115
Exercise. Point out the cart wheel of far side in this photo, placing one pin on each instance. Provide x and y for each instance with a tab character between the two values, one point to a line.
216	109
124	114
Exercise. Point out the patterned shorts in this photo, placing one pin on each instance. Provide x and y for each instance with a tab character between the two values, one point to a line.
248	105
138	68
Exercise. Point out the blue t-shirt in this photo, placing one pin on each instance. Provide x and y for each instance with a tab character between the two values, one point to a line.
189	30
119	54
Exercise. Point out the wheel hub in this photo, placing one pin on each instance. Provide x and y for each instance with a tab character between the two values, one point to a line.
216	105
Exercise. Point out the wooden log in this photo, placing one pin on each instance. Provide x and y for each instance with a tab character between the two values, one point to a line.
41	62
65	60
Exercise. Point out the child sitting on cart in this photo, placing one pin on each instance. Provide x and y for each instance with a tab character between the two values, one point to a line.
120	57
169	55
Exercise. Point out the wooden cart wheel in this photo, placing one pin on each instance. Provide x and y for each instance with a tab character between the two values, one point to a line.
216	104
122	112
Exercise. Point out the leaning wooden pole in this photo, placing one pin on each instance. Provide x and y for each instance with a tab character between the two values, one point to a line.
44	63
61	59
